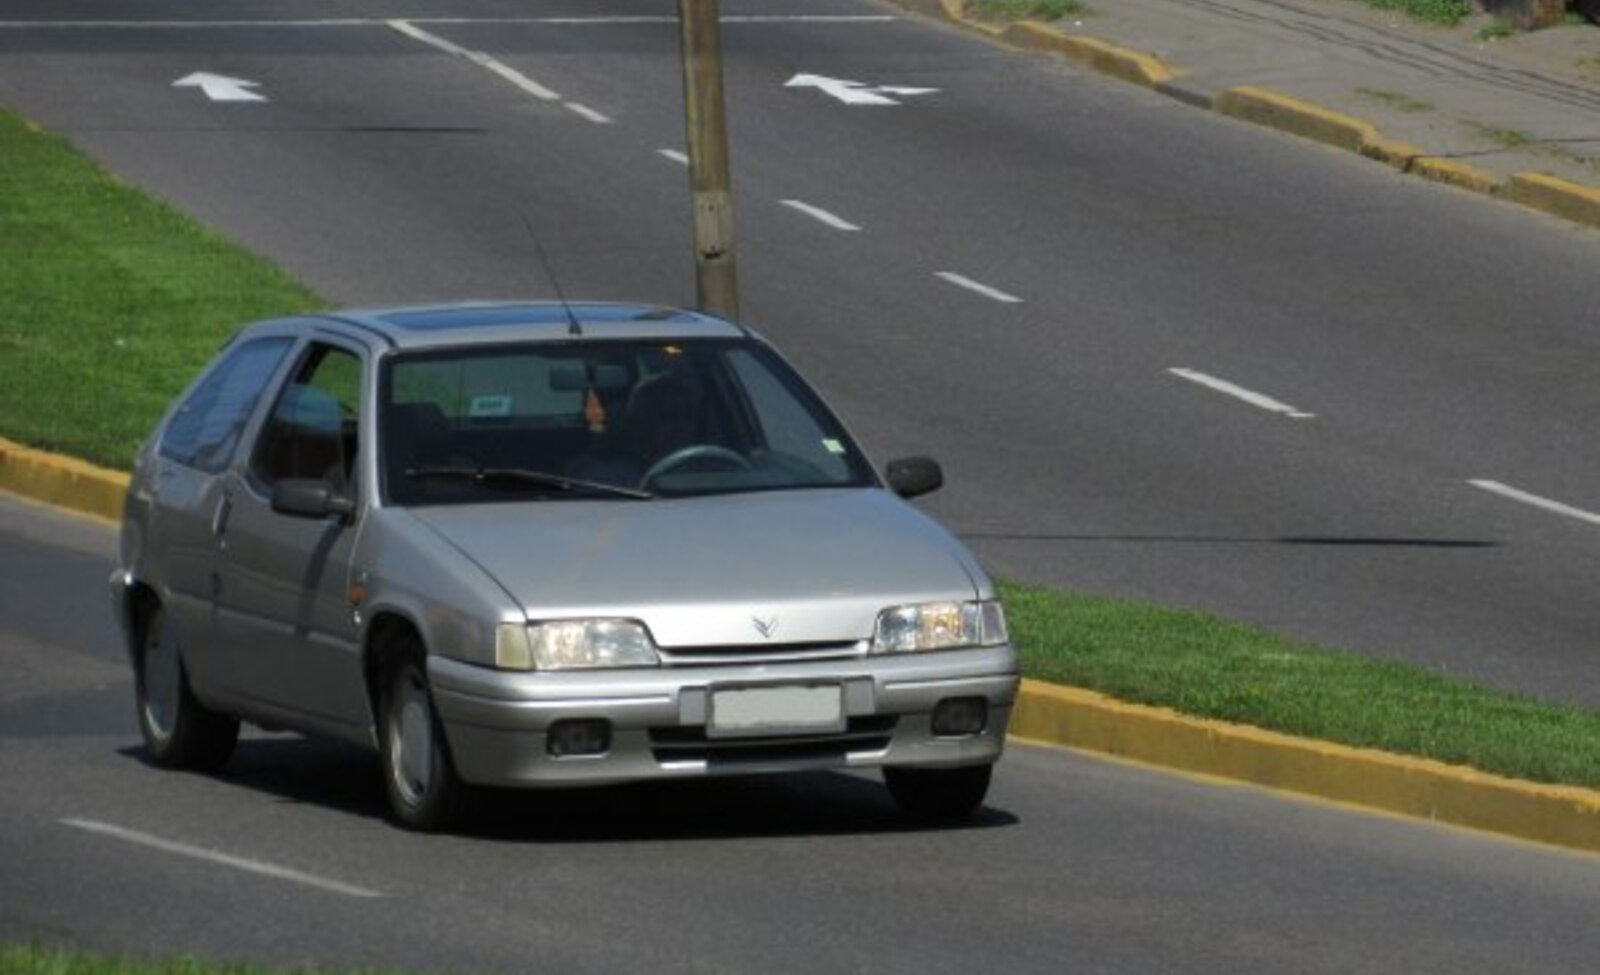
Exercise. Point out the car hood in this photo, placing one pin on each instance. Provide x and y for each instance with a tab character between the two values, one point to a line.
794	567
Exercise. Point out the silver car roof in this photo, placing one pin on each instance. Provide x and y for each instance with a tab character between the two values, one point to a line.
491	323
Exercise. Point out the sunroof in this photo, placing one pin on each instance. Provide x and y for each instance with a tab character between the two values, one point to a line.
439	319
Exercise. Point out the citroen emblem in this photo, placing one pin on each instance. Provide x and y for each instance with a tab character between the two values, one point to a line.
765	627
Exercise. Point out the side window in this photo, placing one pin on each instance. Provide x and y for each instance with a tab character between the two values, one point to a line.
312	430
205	430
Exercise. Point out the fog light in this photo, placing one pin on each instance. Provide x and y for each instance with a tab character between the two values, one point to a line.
582	736
956	717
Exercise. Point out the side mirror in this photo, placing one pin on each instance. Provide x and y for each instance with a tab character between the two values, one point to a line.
913	476
311	498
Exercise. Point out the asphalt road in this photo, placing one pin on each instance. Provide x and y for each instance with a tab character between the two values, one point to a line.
1435	339
1075	863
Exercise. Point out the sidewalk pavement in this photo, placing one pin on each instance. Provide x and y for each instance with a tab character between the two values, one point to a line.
1448	103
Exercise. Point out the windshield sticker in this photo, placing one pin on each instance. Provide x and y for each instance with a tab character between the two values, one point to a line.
490	406
832	446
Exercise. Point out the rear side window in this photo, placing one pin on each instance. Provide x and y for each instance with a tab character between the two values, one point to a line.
206	428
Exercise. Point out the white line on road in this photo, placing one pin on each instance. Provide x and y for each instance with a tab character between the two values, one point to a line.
962	281
674	155
1556	507
223	859
505	71
819	214
1239	392
588	113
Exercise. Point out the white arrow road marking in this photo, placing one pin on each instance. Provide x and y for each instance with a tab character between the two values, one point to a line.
674	155
221	88
1555	507
1239	392
854	92
224	859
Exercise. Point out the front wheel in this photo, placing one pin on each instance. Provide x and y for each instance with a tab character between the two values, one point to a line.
939	793
179	732
424	792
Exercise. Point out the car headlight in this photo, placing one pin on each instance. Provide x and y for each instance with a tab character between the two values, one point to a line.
940	626
574	645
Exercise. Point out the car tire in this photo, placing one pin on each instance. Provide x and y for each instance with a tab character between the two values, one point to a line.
179	732
419	776
939	793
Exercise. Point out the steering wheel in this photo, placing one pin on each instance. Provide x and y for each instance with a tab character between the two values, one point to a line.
698	451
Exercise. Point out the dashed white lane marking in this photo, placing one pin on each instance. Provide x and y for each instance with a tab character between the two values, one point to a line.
505	71
1239	392
222	859
1555	507
820	215
962	281
588	113
674	155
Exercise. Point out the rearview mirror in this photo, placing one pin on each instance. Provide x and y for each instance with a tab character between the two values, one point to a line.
310	498
913	476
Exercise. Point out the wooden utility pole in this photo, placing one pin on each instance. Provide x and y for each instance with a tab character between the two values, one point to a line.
716	280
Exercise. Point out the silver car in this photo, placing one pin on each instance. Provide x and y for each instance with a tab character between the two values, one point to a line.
543	544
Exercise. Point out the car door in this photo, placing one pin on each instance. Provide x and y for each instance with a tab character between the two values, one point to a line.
283	605
186	488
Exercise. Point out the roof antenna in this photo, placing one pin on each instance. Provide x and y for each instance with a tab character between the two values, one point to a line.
574	328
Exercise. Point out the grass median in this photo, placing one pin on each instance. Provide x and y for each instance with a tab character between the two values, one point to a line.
109	302
38	960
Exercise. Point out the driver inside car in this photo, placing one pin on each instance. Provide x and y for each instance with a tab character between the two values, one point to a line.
659	418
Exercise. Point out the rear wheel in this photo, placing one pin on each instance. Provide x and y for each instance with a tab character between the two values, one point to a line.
178	731
424	792
939	793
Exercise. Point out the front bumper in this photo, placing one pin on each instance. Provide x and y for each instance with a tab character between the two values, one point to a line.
497	722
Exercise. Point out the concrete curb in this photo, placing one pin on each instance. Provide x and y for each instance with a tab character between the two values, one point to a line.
1108	59
1555	196
1548	194
1560	815
63	481
1056	715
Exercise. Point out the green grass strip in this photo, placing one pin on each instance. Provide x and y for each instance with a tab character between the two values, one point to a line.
1209	667
37	960
109	300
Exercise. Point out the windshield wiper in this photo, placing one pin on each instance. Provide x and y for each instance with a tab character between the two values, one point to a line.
480	475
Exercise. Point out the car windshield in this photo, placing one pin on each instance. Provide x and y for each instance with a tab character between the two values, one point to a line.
642	418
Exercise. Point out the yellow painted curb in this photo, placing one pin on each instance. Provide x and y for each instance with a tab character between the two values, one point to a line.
1108	59
1300	118
1411	159
1556	196
1560	815
63	481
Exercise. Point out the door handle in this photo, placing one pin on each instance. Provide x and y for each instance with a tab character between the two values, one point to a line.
219	521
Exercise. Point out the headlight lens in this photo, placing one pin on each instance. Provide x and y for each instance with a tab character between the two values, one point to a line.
574	645
940	626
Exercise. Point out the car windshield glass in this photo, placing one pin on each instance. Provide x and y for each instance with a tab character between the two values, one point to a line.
579	417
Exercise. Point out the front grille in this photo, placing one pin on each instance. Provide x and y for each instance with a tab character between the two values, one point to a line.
765	653
691	744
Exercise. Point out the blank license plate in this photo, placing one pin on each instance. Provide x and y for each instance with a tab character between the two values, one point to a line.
798	709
